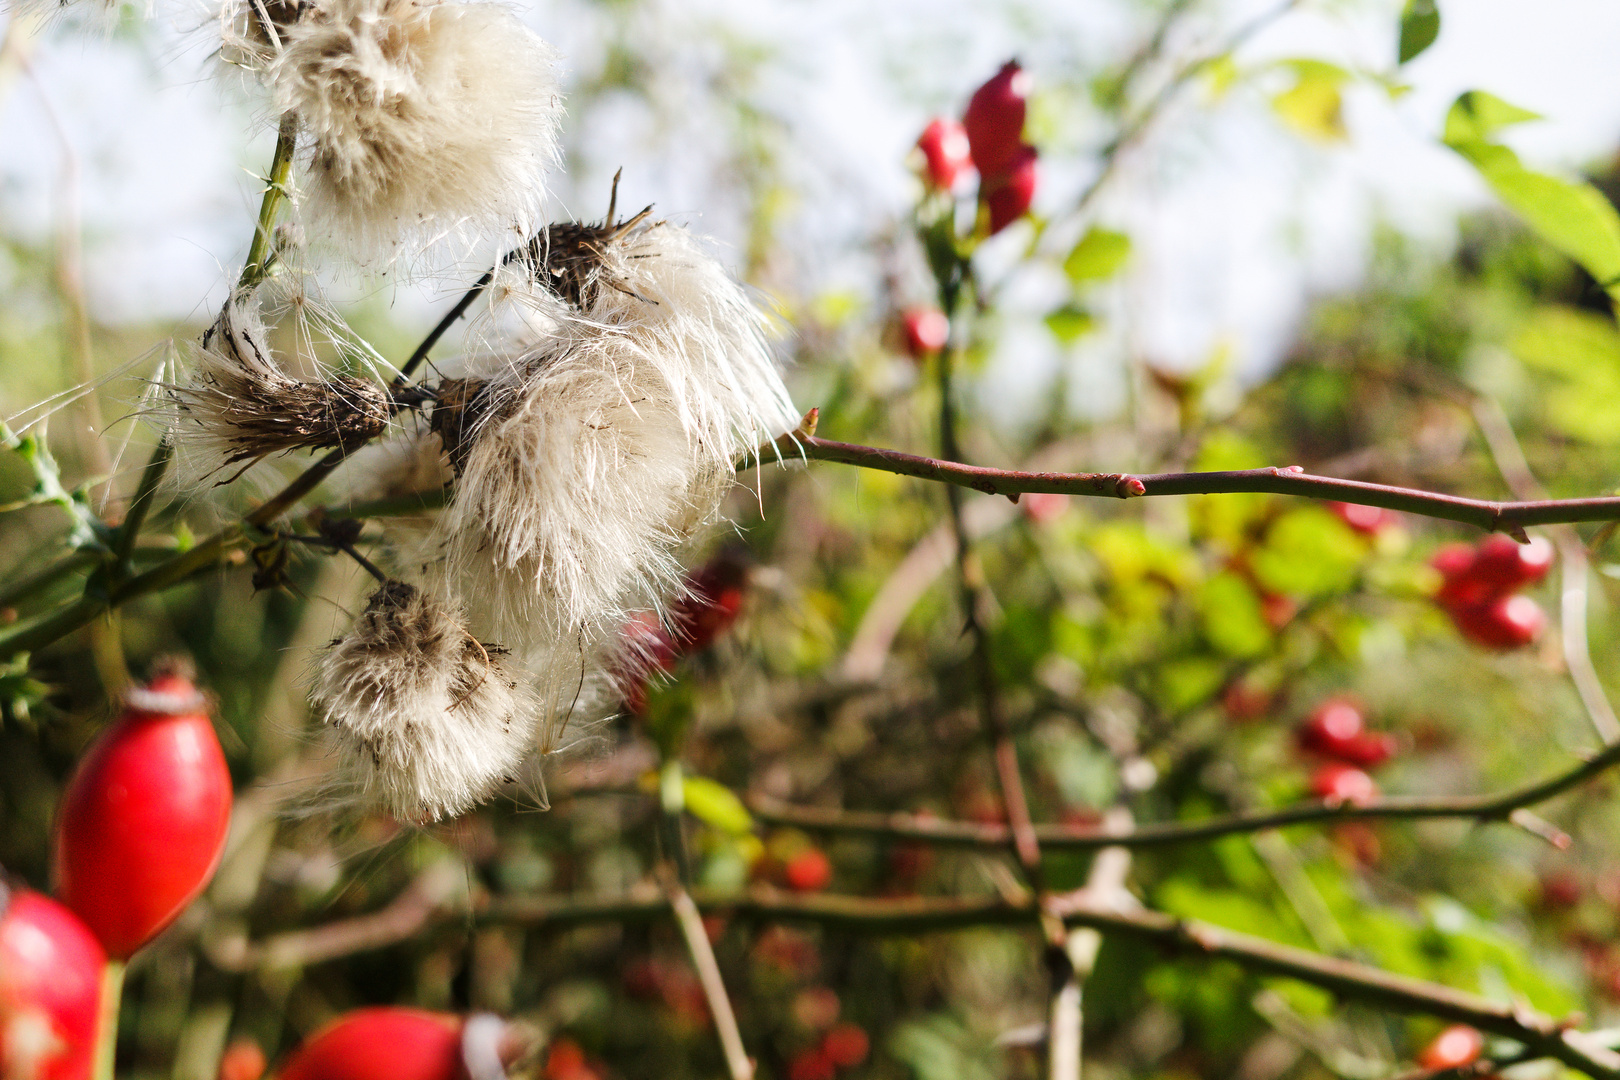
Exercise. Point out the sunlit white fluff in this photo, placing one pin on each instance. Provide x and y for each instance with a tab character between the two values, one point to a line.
428	721
424	119
237	403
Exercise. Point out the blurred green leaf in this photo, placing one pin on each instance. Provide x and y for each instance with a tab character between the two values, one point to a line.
1098	256
1070	323
715	804
1582	350
1231	617
1314	105
1308	552
1420	25
1573	217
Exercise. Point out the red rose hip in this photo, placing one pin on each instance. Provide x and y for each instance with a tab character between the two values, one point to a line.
808	871
50	989
927	330
1509	622
1453	1048
946	156
994	120
1009	196
1337	782
142	825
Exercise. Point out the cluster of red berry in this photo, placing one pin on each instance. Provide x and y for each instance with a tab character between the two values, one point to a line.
1480	589
709	603
140	830
1337	731
843	1046
989	138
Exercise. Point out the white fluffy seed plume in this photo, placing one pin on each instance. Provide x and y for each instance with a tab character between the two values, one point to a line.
428	722
425	120
587	463
239	404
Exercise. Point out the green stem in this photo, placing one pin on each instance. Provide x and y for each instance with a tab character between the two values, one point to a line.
112	995
130	530
260	253
43	579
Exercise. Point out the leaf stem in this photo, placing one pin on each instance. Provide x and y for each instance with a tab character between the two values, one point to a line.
112	995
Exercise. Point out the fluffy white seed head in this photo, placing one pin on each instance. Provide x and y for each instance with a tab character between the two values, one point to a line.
238	404
425	120
427	721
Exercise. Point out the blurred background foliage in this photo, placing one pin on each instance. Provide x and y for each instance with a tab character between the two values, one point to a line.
1156	654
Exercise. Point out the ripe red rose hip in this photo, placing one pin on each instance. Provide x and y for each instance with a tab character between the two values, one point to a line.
846	1045
142	825
1505	565
1367	520
1509	622
946	155
1453	1048
50	989
1337	782
994	120
389	1043
1009	195
808	871
927	330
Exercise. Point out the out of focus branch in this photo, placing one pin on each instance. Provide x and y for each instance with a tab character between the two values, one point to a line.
1509	806
1509	517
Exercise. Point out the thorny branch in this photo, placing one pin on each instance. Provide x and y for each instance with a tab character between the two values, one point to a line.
1506	806
1542	1036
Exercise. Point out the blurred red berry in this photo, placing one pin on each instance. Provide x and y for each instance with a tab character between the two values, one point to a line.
808	871
1367	520
1043	506
1452	559
1508	622
1331	724
946	153
1244	701
1010	194
927	330
564	1060
1507	565
1453	1048
242	1060
711	601
1337	782
50	989
846	1045
1368	749
994	120
1278	610
811	1065
381	1043
1560	889
142	824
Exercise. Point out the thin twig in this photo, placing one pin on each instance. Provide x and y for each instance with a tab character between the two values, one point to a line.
714	987
1292	480
910	828
1105	887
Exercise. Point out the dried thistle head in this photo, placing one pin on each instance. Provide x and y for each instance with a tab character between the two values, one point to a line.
424	119
428	720
240	405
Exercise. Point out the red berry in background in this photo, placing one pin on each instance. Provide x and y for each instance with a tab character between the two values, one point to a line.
1560	889
1367	520
242	1060
1368	749
994	120
927	330
808	871
845	1045
1508	622
1337	782
566	1061
1332	723
142	824
1507	565
711	602
1043	506
946	154
1009	195
811	1065
1453	1048
1244	701
50	989
382	1043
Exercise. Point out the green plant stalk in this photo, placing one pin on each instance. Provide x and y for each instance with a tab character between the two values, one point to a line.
112	995
140	506
260	252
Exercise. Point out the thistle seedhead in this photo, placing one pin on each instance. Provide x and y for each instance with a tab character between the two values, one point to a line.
240	405
427	719
424	120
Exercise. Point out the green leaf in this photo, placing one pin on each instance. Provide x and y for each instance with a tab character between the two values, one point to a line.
1308	552
1478	116
1098	256
715	804
1582	351
1420	25
1070	323
1314	105
1232	618
1573	217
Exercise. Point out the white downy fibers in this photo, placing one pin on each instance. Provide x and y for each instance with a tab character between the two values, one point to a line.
427	720
426	119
